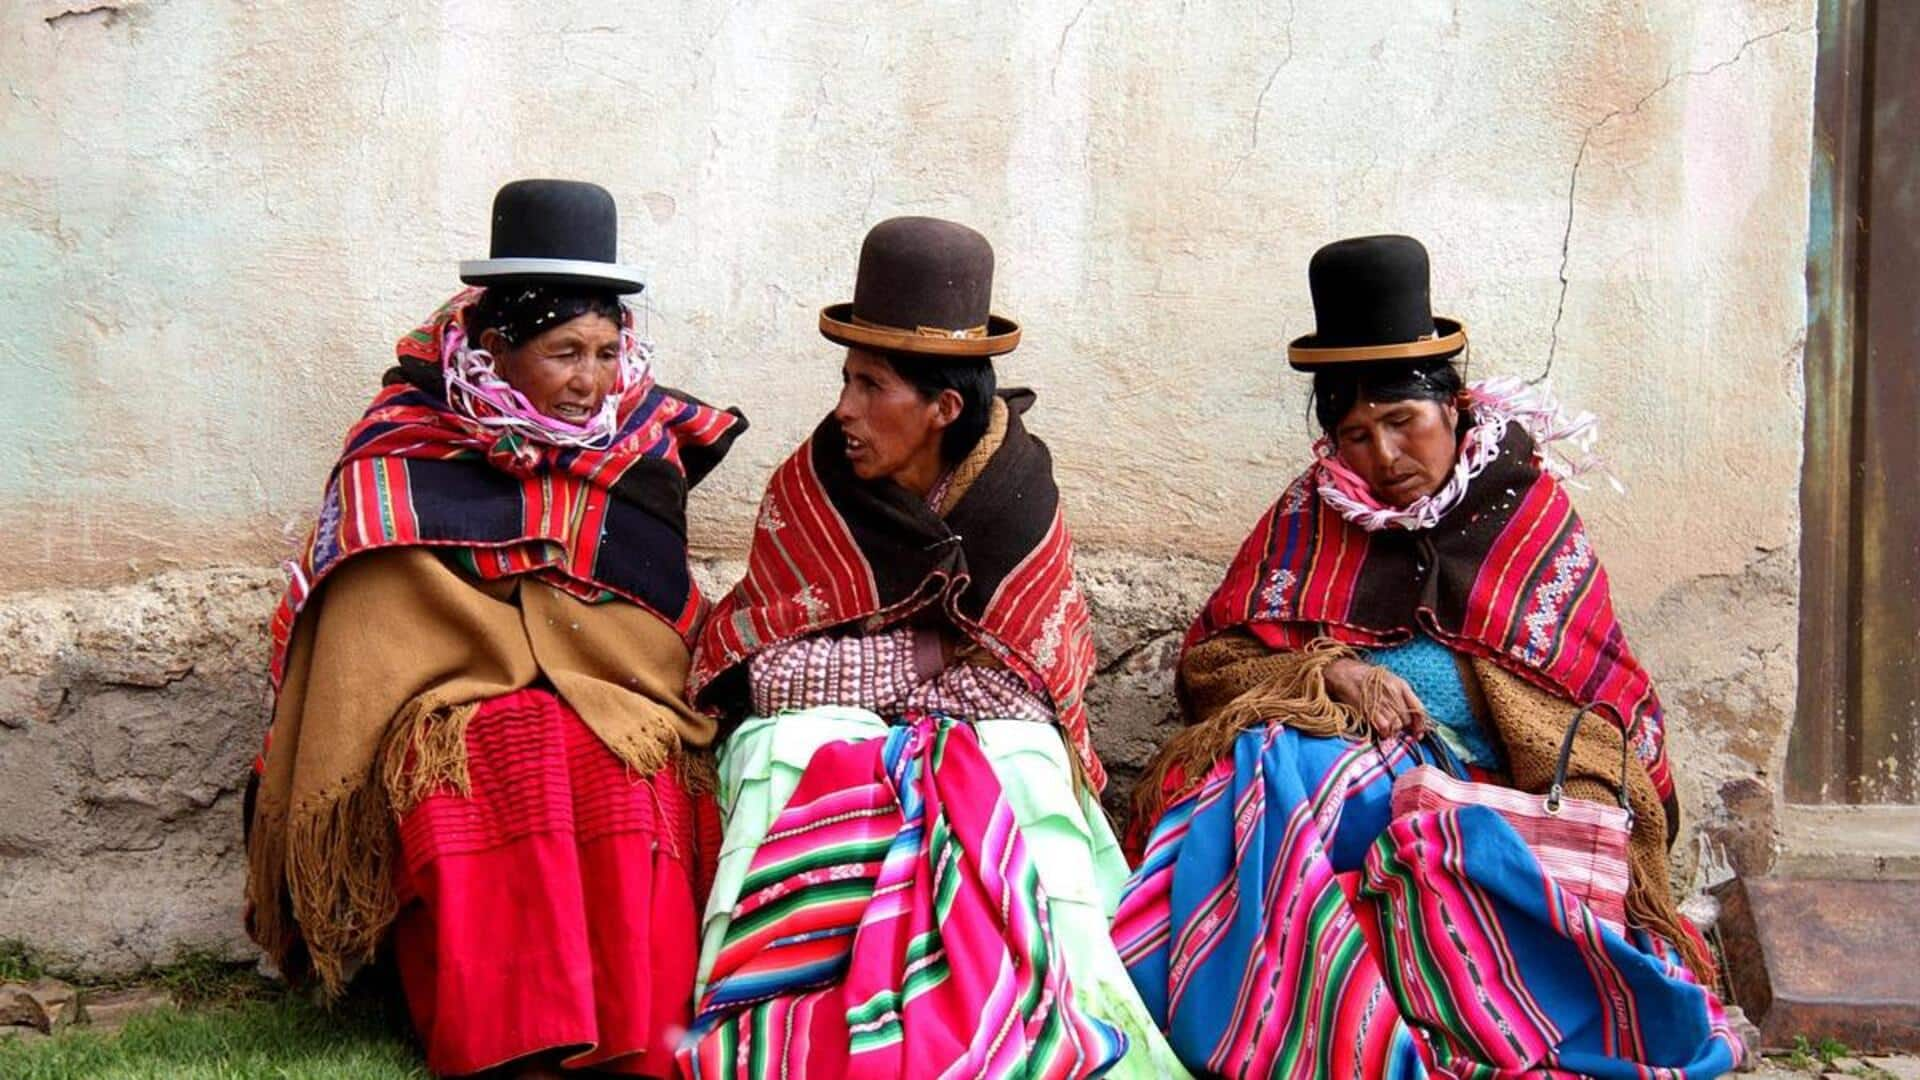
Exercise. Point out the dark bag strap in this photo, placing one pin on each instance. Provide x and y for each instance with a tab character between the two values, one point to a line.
1558	791
1443	756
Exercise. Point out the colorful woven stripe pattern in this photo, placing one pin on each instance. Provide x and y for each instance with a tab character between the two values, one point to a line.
893	925
830	551
1583	846
1285	924
592	522
1509	975
1508	574
1237	927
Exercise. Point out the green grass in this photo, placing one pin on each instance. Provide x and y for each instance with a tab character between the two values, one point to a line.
1814	1056
283	1037
230	1024
18	963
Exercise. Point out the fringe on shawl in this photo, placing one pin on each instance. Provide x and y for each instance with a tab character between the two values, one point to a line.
1295	694
323	876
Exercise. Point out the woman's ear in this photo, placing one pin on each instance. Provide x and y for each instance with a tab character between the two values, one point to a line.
1450	410
495	343
946	408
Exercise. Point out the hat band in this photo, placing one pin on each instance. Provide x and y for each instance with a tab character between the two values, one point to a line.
1437	344
923	331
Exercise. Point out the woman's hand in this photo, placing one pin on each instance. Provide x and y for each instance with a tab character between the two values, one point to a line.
1383	699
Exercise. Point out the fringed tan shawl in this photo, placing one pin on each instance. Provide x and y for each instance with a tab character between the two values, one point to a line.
1233	682
387	666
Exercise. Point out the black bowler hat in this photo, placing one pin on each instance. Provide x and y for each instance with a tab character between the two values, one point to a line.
555	232
924	287
1370	303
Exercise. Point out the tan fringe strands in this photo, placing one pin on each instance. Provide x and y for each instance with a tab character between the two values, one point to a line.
1232	684
362	733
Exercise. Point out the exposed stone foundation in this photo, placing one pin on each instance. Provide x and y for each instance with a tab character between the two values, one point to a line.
129	716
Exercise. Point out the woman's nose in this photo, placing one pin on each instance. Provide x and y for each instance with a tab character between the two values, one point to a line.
843	408
1384	450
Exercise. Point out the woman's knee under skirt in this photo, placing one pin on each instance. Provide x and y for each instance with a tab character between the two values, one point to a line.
1064	834
1284	924
553	908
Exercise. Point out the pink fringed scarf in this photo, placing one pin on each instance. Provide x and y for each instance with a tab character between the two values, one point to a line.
1565	443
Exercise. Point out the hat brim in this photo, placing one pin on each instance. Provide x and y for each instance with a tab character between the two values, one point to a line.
837	326
1449	337
592	275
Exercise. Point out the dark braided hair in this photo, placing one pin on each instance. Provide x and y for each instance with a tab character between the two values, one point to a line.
522	312
972	379
1338	388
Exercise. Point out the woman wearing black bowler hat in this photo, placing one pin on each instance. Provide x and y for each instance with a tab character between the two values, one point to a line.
1423	593
480	747
916	874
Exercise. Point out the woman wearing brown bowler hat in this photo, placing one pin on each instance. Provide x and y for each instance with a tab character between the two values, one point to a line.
1420	608
916	874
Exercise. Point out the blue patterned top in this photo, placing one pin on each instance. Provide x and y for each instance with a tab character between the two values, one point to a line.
1429	667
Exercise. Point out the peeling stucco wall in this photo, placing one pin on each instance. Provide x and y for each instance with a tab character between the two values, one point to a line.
216	217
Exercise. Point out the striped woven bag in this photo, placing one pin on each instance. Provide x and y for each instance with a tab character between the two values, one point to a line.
1580	843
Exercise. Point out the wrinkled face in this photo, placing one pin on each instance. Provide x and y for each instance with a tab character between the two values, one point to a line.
566	371
892	431
1402	449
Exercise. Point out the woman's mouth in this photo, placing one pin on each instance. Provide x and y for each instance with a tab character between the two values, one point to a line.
1403	489
855	446
572	412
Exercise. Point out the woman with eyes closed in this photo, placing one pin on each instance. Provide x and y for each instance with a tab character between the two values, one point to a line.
480	751
1423	593
916	875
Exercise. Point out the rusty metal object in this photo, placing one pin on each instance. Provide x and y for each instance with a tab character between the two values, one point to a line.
1825	959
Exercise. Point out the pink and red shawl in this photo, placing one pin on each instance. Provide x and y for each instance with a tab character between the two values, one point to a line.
1507	574
830	550
600	524
893	924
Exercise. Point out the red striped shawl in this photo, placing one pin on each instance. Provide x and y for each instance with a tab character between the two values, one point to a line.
1508	574
597	523
830	550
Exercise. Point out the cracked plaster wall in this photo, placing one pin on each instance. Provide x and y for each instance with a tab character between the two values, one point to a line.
215	218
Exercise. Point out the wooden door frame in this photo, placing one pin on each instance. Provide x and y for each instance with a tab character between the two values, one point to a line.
1818	749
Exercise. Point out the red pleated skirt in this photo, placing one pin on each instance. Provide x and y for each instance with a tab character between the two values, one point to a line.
556	907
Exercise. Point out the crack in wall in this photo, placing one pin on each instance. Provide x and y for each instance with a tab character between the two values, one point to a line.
1151	638
1580	157
1260	101
108	13
1060	50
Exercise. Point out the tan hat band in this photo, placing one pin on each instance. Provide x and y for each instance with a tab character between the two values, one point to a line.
924	331
1434	345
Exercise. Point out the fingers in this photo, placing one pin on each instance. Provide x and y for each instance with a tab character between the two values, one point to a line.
1417	720
1389	704
1389	716
1398	710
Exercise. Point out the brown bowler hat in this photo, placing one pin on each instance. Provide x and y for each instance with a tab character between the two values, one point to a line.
924	287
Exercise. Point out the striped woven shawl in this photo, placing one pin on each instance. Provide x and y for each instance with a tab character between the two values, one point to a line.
830	549
1508	574
596	523
893	924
